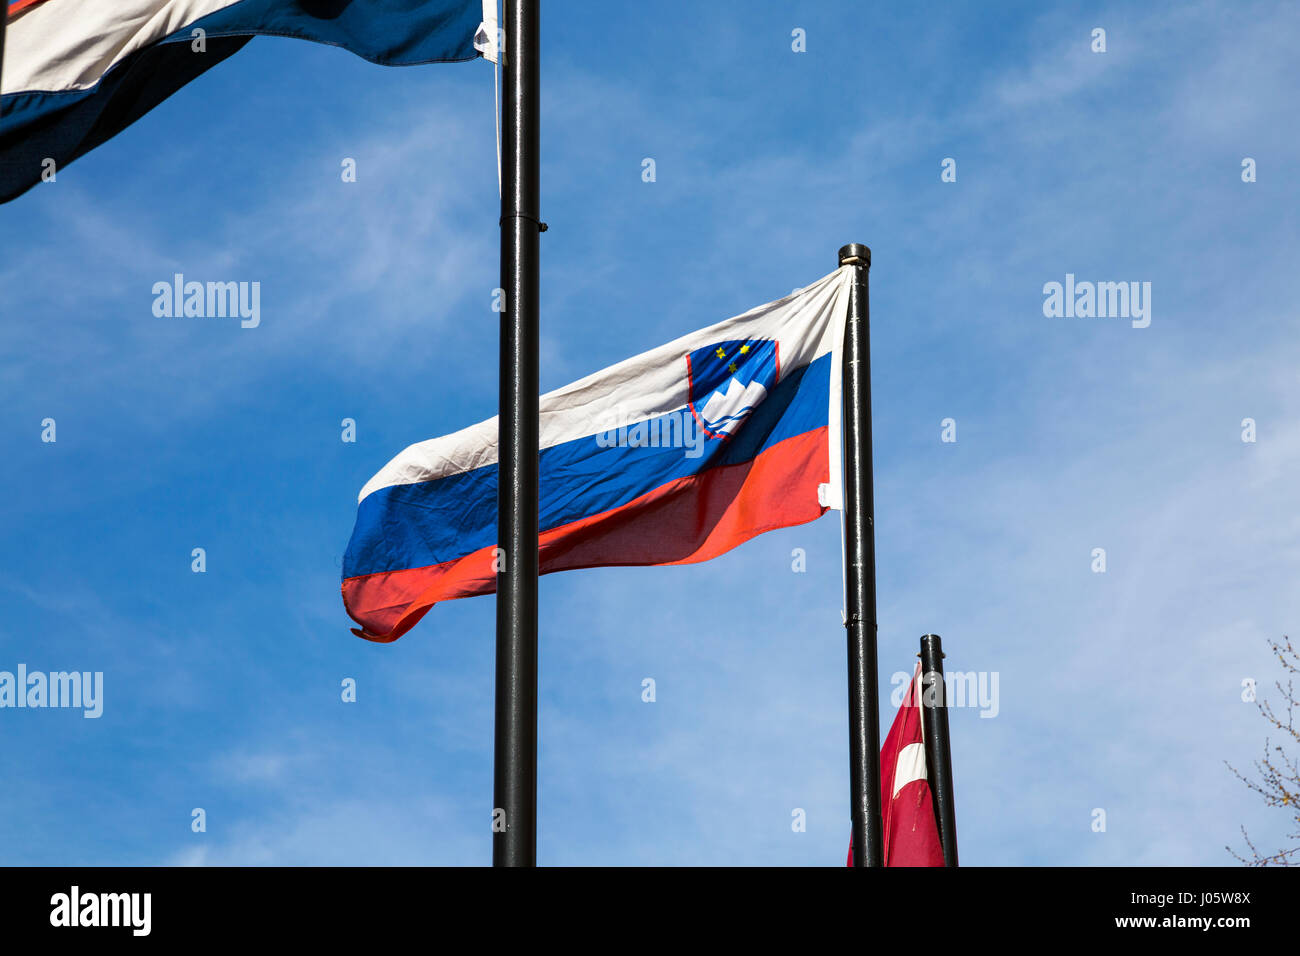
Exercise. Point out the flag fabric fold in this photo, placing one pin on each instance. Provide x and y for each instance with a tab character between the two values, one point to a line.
77	72
671	457
908	822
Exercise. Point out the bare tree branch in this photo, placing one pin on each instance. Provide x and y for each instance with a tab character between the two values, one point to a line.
1277	773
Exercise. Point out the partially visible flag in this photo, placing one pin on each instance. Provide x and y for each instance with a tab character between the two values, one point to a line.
908	823
77	72
671	457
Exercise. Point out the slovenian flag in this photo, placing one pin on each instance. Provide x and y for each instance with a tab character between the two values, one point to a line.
77	72
671	457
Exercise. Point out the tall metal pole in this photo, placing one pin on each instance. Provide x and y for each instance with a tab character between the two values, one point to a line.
938	753
860	569
514	836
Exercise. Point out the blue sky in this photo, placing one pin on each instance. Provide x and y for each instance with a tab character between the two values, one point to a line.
1119	691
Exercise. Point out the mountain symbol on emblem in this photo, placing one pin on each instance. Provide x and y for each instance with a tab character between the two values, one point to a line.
724	411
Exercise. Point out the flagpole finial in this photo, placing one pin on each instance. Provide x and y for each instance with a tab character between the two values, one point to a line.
855	254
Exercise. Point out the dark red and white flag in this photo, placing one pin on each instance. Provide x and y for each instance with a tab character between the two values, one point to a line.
908	823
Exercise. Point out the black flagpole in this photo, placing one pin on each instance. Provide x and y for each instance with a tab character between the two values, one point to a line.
938	753
860	568
514	836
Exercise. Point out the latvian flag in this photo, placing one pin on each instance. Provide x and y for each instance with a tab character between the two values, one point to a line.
76	72
908	822
671	457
